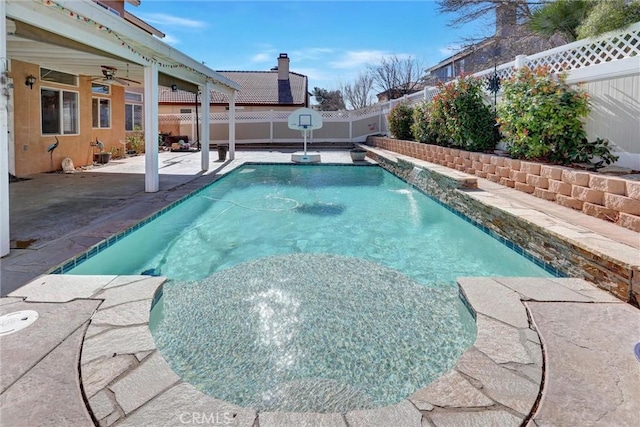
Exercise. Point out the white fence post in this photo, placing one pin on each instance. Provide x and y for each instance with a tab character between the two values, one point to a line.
521	61
271	126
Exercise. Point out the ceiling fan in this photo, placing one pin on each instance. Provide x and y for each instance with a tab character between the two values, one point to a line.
109	76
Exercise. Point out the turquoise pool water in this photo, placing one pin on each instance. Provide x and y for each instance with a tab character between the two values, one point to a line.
265	210
310	288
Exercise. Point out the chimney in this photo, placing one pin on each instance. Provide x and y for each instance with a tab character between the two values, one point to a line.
506	19
283	67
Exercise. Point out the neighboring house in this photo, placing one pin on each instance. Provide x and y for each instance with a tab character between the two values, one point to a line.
510	39
278	89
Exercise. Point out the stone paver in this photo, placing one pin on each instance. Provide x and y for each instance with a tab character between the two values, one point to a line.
24	349
55	288
451	390
98	374
49	393
183	405
499	383
134	291
475	419
143	383
292	419
119	341
403	414
592	376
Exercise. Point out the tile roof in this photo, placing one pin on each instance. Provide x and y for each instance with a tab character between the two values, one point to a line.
257	88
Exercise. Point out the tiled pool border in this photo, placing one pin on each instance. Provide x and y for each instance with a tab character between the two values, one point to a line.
105	244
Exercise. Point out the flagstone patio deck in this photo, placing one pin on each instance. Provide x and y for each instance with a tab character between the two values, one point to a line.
548	351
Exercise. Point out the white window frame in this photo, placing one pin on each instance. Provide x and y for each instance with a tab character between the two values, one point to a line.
140	124
99	123
61	112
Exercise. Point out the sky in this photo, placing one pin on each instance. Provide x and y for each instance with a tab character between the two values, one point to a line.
328	41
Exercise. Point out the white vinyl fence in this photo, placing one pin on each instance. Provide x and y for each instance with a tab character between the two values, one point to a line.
608	68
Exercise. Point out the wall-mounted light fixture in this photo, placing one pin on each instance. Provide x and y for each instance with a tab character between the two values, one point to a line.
174	87
30	81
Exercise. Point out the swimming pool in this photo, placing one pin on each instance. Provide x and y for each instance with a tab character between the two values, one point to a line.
310	288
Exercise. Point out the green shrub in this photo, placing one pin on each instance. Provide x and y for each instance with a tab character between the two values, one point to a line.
459	117
420	127
135	140
540	115
400	119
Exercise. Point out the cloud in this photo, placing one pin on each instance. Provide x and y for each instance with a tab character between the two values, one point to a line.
261	57
165	20
170	39
361	58
357	59
310	53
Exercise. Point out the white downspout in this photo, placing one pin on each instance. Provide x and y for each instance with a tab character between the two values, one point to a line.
206	128
232	125
4	136
151	178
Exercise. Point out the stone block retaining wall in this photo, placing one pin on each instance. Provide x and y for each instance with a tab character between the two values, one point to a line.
568	256
609	198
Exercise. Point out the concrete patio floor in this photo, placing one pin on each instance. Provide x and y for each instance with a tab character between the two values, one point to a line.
590	375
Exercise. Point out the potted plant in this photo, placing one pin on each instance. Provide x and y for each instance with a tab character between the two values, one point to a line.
358	154
102	157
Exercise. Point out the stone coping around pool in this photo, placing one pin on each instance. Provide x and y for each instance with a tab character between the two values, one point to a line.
497	381
571	249
126	380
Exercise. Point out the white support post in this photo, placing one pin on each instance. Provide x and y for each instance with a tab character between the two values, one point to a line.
206	127
271	126
232	125
350	126
4	136
521	61
151	178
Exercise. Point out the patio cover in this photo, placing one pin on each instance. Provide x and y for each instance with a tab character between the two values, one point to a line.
77	37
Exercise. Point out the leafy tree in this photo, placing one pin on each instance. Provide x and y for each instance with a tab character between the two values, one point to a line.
328	100
561	16
358	94
609	15
396	76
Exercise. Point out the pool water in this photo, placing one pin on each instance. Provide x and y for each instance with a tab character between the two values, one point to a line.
310	288
265	210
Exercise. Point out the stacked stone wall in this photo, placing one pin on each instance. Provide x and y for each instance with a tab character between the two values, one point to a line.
618	278
605	197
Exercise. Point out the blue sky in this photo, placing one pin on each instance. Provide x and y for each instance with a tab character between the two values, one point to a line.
329	41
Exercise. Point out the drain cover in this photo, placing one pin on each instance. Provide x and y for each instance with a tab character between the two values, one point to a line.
13	322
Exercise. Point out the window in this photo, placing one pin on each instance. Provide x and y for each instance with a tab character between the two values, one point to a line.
133	97
59	112
100	89
132	117
47	75
101	109
185	111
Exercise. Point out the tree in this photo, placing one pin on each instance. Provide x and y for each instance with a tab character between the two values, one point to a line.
358	94
328	100
397	77
561	16
471	10
609	15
